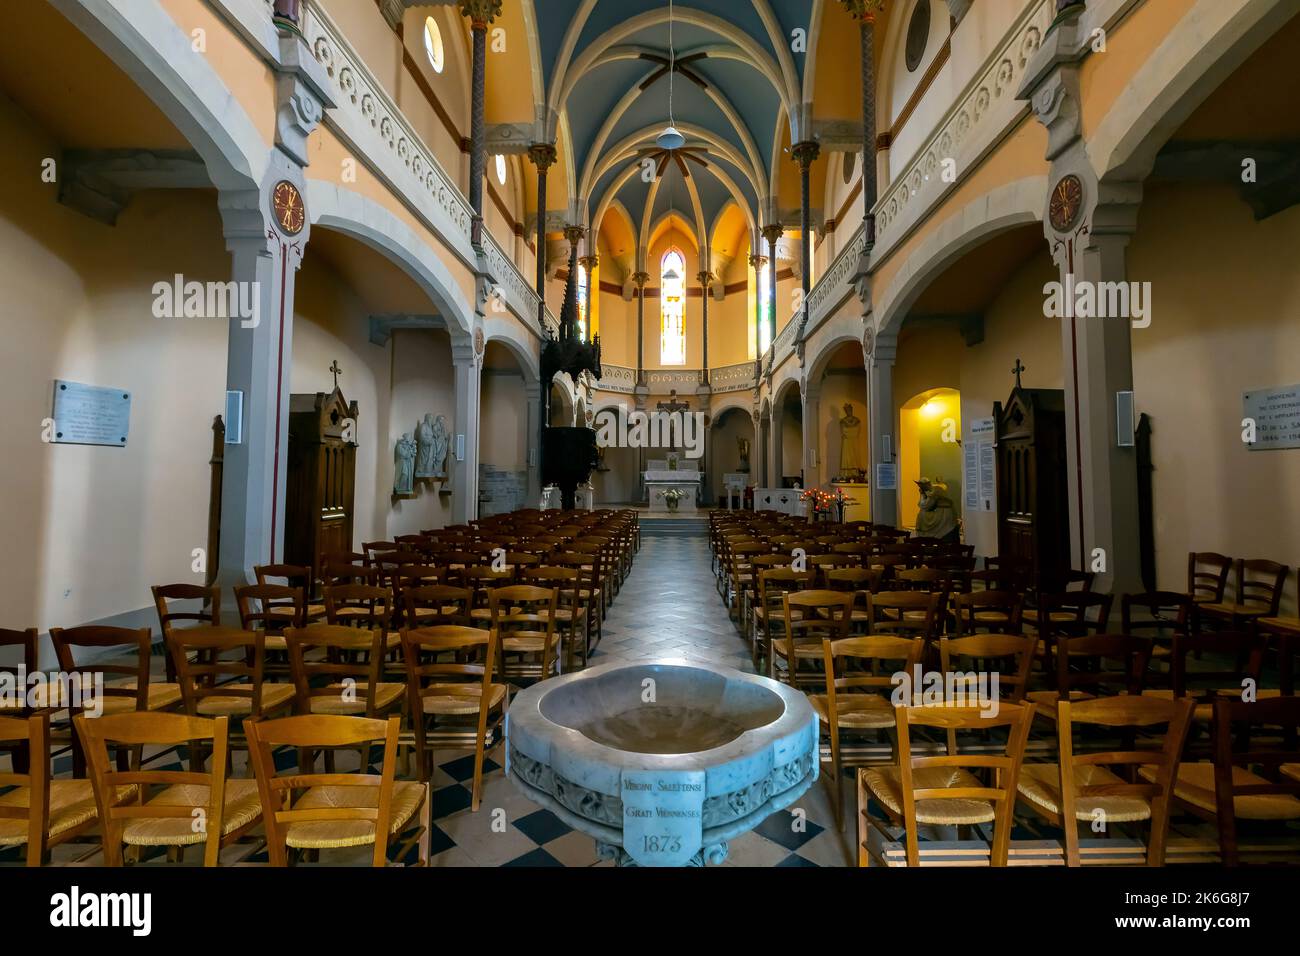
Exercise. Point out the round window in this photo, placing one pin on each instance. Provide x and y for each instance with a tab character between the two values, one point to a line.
433	44
501	169
918	34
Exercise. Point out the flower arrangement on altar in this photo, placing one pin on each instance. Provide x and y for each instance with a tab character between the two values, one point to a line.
673	497
829	503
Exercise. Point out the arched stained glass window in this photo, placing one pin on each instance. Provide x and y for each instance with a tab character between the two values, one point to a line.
672	306
583	281
433	44
766	318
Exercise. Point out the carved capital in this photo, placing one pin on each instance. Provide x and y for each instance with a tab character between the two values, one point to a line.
864	9
574	234
806	153
756	261
704	278
589	262
772	232
480	12
640	279
542	155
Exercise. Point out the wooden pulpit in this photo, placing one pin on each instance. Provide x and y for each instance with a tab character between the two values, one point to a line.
320	477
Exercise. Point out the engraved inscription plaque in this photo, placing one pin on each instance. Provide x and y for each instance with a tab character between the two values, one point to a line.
662	815
1276	414
90	414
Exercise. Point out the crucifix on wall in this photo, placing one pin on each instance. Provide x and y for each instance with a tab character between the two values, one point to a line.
673	405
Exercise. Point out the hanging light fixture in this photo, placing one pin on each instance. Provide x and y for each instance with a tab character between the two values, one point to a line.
670	138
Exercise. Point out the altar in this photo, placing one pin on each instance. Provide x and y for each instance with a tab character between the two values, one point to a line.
673	475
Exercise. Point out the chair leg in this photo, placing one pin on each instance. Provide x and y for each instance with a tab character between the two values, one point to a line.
837	788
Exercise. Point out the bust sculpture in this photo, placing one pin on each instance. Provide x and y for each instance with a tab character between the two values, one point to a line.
850	456
439	439
404	465
424	442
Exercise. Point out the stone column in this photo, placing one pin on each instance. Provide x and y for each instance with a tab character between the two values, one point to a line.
532	447
259	357
812	452
880	353
772	232
805	153
480	13
777	460
543	156
640	278
467	364
640	400
864	11
705	278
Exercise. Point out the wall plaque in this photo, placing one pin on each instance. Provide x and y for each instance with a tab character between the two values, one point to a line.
663	815
887	476
90	414
1276	414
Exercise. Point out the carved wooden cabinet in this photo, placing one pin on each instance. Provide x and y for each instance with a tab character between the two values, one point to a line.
320	477
1033	491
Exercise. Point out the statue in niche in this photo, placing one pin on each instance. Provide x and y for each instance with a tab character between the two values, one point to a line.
424	441
850	456
936	517
743	445
404	465
439	441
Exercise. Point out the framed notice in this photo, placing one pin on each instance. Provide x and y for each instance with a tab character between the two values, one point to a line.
977	454
90	414
1276	414
887	476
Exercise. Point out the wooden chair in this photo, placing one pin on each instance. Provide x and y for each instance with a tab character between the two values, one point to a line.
1244	783
337	810
769	608
809	617
1092	666
1067	614
165	597
995	610
859	681
1228	660
570	609
905	613
28	644
34	809
337	671
1013	654
192	808
1259	595
1084	787
270	608
588	590
941	790
1207	576
452	690
431	605
525	621
293	576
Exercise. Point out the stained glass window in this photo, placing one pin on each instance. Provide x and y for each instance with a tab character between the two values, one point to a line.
672	303
765	316
582	301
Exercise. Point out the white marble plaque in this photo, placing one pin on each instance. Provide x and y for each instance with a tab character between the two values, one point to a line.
663	815
1276	414
90	414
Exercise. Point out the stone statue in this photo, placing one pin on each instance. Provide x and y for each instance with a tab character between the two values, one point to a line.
936	517
404	465
850	456
743	445
438	466
424	441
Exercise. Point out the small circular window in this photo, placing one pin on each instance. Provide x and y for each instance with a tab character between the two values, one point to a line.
433	44
501	169
918	34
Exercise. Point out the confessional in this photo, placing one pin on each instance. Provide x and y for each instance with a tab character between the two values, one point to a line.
320	477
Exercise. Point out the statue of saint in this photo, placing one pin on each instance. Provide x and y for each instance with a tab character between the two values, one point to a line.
439	440
743	445
404	465
424	440
850	455
936	517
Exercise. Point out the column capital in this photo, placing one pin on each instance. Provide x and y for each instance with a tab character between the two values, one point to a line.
543	155
704	278
640	279
589	262
574	234
864	10
806	153
480	12
756	261
772	232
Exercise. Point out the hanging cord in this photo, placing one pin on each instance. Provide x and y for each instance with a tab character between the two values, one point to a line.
672	64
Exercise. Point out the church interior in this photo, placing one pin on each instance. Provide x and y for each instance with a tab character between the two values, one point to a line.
606	433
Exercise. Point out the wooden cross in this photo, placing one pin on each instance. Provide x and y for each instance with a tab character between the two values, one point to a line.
334	367
672	405
1017	370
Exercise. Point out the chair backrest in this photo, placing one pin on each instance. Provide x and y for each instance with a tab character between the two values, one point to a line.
336	572
163	730
429	672
1207	575
1102	663
164	596
1233	747
257	605
526	613
1239	654
905	612
104	665
319	731
1260	583
28	643
1015	651
1003	767
853	579
353	657
362	605
429	605
1089	610
32	734
867	665
815	616
1157	614
291	575
210	661
1132	712
1001	609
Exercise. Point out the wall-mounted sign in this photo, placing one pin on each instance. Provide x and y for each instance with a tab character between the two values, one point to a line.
977	451
1276	414
887	476
90	414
